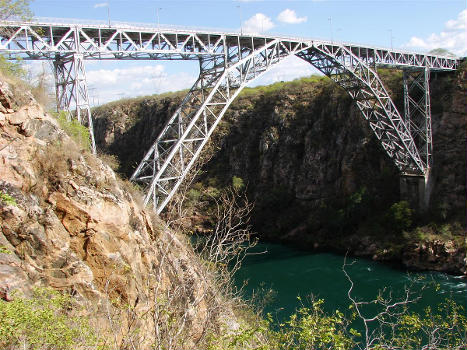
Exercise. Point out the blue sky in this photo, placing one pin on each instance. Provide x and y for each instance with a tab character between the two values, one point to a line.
406	24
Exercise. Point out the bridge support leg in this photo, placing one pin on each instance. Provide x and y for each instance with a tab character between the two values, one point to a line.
417	117
360	79
416	190
72	92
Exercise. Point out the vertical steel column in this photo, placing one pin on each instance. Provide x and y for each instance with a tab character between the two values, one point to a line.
72	92
417	110
366	88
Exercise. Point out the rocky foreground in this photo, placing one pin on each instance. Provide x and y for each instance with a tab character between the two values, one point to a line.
67	222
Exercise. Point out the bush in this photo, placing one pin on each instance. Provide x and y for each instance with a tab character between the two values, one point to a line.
399	216
12	69
78	132
43	322
312	328
7	199
237	183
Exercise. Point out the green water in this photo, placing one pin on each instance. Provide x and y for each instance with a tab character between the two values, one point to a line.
291	273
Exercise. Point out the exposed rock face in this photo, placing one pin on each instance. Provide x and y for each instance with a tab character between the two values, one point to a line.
436	255
316	172
67	222
128	129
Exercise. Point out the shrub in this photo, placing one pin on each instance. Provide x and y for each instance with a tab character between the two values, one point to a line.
7	199
78	132
237	183
12	69
43	322
399	216
312	328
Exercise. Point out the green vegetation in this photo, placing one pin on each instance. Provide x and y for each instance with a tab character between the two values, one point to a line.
78	132
399	216
5	250
287	86
237	183
7	199
440	328
45	322
15	9
12	69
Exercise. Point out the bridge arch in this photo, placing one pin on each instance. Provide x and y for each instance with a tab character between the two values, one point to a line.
179	144
176	149
228	61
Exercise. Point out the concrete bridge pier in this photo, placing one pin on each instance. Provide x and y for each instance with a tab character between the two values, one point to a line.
416	189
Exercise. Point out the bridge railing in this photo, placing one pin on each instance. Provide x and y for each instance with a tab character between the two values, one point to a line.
180	28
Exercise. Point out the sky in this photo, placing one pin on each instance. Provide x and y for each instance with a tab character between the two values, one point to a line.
420	25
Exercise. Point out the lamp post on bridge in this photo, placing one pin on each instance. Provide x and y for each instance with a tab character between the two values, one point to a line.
240	14
157	15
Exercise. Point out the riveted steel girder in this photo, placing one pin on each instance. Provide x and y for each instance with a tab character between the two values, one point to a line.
44	39
227	62
72	92
418	112
359	78
221	79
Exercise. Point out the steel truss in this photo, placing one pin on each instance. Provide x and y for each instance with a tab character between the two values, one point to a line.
360	79
227	62
178	146
42	40
417	110
71	91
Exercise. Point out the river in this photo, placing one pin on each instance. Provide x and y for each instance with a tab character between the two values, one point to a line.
291	273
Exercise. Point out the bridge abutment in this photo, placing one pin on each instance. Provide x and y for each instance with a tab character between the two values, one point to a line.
416	189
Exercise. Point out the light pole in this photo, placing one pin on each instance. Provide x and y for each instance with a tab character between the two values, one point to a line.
157	15
108	14
240	14
330	26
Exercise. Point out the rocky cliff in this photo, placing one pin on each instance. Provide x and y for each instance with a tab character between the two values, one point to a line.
69	223
317	174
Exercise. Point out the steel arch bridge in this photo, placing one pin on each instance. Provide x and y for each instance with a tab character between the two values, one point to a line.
228	61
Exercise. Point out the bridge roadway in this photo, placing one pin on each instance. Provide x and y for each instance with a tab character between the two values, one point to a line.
228	61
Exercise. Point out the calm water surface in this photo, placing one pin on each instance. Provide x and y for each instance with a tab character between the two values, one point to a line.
291	273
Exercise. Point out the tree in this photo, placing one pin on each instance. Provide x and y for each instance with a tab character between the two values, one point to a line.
15	9
10	10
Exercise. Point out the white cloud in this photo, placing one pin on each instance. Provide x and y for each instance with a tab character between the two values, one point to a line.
289	16
257	24
289	69
101	4
453	38
107	85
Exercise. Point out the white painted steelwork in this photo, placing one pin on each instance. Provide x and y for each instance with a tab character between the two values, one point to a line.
227	62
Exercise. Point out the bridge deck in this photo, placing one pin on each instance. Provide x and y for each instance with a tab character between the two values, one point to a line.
228	61
46	40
